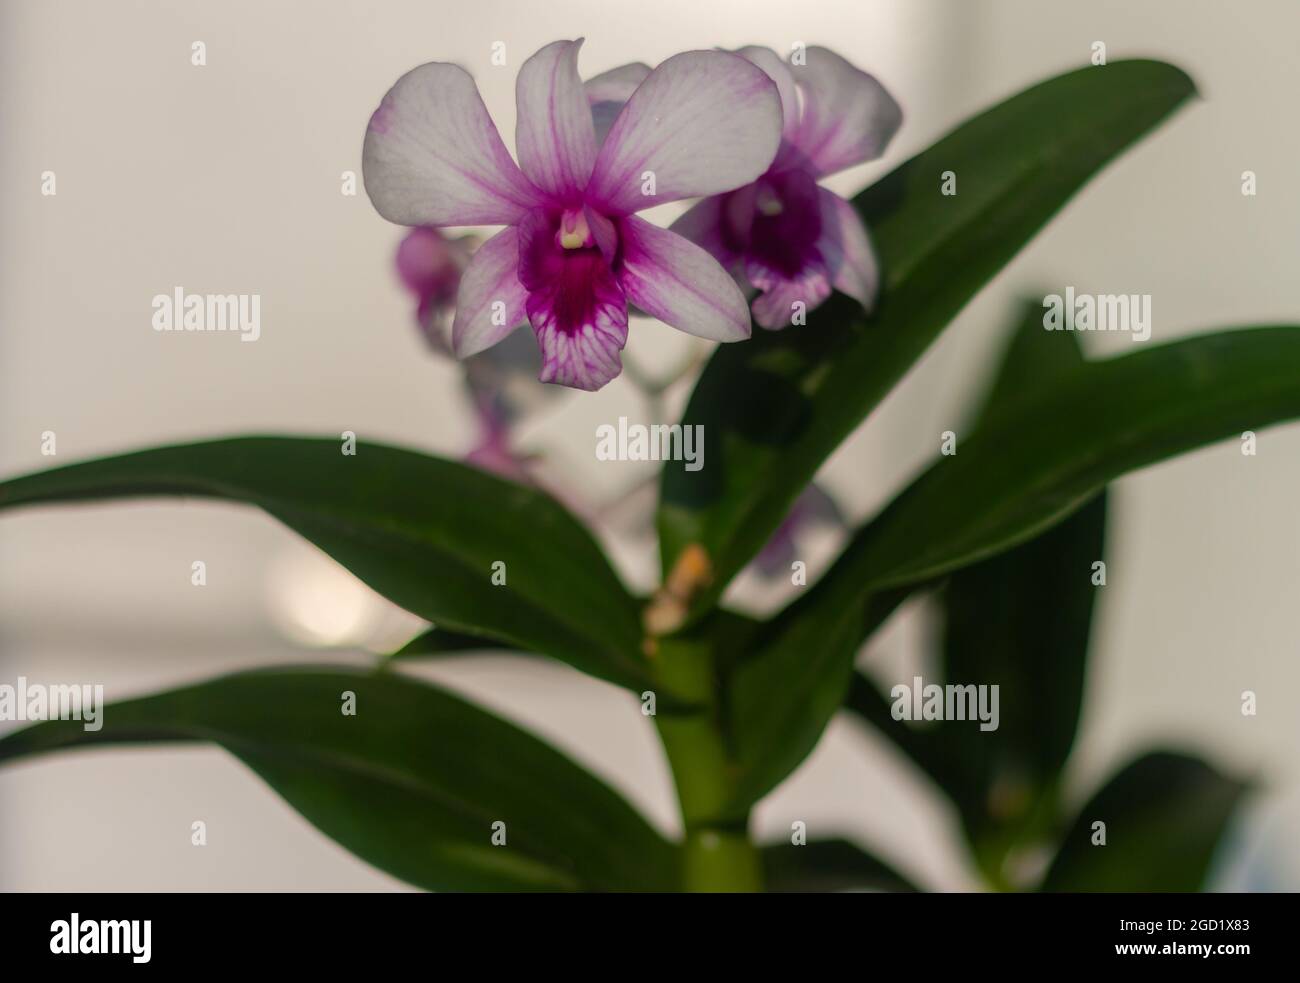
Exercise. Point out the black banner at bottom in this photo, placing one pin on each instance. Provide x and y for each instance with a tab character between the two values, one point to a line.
337	932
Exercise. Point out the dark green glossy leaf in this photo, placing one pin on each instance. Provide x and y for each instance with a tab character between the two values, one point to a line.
1036	459
422	531
828	865
444	641
729	633
411	783
1039	458
1164	816
1019	621
776	407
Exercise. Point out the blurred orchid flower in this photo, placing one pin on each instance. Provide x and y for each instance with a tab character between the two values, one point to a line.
430	265
813	509
493	452
783	234
573	254
498	381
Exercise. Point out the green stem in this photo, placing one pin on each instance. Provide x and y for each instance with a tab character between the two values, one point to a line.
721	861
718	854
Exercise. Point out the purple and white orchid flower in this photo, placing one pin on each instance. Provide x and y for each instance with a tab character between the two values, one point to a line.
784	235
430	266
574	254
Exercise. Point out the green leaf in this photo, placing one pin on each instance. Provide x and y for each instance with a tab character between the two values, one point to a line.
828	865
443	641
923	745
1037	459
1034	360
1164	816
785	691
1019	621
412	783
423	532
775	407
1040	458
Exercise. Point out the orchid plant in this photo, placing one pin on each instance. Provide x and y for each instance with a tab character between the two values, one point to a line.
1002	536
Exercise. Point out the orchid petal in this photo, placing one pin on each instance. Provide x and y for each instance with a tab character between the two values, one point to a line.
848	117
846	249
609	91
432	155
554	134
704	224
701	123
779	72
427	261
584	359
679	283
776	306
817	508
492	277
811	509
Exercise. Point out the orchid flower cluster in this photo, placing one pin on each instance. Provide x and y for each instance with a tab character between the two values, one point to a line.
745	132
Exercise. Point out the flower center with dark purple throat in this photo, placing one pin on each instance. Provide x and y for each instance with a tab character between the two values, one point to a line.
569	281
777	221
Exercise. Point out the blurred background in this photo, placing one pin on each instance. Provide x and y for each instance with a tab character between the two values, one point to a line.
227	177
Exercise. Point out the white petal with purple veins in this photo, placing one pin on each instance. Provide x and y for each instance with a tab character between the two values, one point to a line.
847	118
679	283
432	155
701	123
554	134
491	279
585	357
